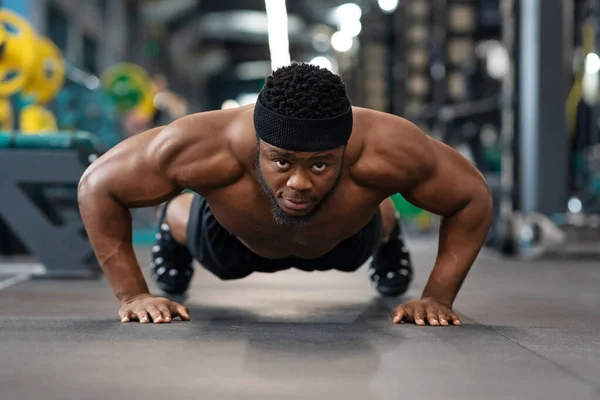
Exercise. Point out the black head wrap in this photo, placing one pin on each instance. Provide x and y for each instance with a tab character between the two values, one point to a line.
301	134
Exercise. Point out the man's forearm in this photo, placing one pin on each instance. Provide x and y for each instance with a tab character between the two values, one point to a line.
461	238
108	224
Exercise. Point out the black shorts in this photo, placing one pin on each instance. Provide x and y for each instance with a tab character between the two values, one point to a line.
226	257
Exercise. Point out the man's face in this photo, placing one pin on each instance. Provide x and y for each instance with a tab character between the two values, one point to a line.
296	183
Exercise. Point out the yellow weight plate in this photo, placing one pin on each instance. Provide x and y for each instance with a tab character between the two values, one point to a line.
18	52
48	75
146	107
127	85
35	119
132	70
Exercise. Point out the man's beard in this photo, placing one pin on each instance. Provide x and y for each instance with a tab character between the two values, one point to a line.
279	215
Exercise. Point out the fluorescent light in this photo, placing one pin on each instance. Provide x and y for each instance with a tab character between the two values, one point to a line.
322	62
277	25
351	27
498	62
348	11
592	63
575	205
590	83
341	41
388	6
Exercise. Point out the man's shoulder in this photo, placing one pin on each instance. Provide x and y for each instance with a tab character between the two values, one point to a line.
208	132
203	144
393	152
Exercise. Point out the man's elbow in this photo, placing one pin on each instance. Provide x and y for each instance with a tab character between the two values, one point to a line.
485	204
89	183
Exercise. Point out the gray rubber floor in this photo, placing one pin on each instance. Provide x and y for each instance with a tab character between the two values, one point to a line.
531	332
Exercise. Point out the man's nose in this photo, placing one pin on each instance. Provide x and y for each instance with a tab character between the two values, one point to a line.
299	181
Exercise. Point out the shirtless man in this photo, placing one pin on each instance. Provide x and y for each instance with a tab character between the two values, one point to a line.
299	180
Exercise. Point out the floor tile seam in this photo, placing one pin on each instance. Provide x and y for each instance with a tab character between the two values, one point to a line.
565	369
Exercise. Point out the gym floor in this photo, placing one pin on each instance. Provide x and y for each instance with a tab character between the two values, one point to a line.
530	332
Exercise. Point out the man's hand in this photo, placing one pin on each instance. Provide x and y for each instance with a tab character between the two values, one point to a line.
425	310
146	308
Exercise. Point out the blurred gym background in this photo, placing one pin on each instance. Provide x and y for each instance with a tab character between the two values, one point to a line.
512	85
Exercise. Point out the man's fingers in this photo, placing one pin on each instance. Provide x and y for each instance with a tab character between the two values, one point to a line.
126	315
142	316
432	317
398	315
158	310
455	319
419	316
443	318
166	313
155	313
425	311
182	312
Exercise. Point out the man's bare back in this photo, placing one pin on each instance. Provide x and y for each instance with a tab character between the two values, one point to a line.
215	154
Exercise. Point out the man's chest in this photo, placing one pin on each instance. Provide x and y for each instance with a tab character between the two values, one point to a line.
244	211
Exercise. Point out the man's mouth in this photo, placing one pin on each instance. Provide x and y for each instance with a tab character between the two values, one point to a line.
298	205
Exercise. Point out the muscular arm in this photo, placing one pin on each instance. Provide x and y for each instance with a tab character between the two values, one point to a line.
440	180
142	171
126	177
456	191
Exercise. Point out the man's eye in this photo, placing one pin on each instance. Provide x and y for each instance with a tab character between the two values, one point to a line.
319	167
282	163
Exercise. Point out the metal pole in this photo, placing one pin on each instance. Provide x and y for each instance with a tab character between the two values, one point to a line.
529	134
543	164
507	117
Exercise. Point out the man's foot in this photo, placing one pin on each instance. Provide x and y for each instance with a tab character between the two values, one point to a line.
391	269
172	267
